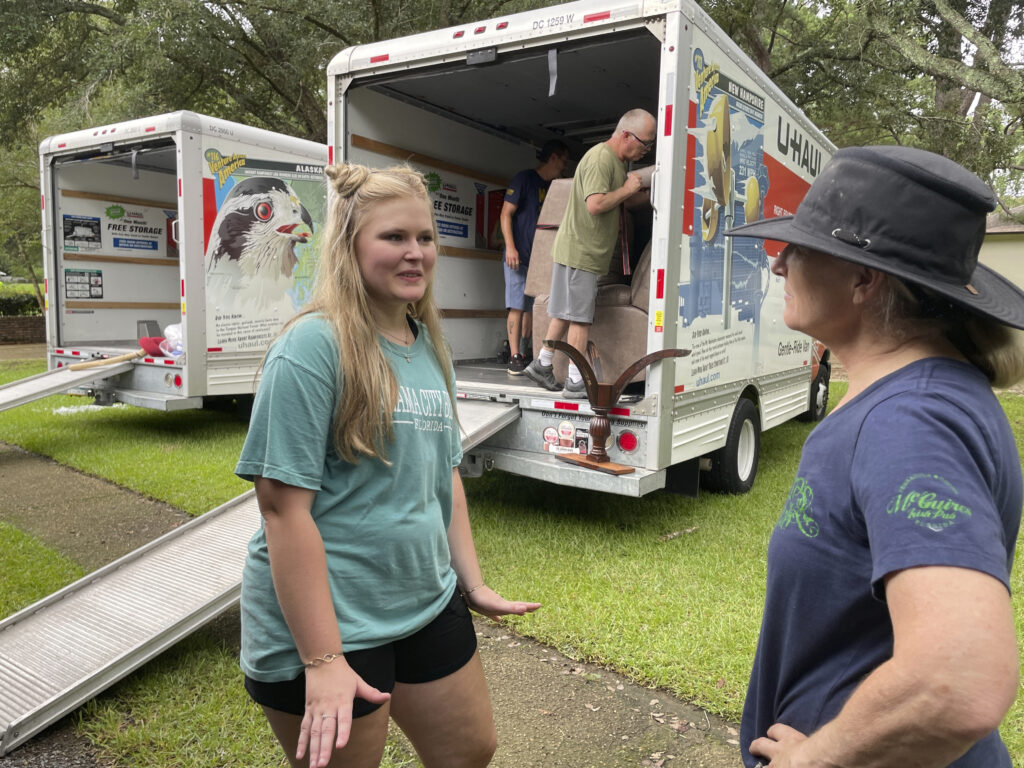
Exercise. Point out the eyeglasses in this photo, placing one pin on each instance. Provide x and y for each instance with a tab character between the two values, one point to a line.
646	144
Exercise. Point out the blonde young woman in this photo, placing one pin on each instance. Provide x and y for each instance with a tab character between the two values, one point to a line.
888	633
356	589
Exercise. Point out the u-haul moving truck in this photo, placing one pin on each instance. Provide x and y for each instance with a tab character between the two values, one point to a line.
470	105
188	228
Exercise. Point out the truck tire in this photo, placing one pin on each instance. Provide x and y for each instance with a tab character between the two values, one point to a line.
819	395
734	465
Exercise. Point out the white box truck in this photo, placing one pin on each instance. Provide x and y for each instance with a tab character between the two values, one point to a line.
471	104
183	229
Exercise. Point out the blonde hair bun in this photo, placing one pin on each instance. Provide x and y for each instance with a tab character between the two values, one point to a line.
347	178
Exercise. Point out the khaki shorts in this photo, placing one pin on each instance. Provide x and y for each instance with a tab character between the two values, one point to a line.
573	294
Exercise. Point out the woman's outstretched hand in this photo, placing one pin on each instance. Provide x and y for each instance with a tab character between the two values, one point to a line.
487	602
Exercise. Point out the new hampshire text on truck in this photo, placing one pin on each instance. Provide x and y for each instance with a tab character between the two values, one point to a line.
469	106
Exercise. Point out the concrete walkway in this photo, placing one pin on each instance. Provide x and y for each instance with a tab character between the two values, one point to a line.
551	712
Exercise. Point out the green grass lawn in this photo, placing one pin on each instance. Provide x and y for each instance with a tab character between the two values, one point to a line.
664	589
17	288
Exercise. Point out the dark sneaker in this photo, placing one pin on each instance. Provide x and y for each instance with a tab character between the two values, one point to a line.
575	390
543	375
516	365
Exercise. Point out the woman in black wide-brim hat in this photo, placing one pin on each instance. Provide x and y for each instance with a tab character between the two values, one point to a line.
888	634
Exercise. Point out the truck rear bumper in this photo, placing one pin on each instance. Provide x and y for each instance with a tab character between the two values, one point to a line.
553	470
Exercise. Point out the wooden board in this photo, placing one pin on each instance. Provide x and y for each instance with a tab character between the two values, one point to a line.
101	304
120	259
601	466
380	148
116	199
462	314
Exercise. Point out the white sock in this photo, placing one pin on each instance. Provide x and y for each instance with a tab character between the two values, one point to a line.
546	356
574	374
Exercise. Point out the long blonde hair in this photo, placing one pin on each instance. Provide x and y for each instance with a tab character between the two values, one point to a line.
369	391
995	349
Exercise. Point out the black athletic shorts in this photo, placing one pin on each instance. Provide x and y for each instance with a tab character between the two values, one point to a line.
440	648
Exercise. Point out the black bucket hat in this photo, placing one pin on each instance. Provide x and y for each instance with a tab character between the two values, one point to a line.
910	213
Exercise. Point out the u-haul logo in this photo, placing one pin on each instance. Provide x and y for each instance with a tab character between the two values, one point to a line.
795	145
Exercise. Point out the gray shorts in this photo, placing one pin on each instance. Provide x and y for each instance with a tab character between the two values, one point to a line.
573	294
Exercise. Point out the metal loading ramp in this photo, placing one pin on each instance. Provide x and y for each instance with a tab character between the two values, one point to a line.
54	382
65	649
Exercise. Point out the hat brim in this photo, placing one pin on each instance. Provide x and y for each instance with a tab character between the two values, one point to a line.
993	295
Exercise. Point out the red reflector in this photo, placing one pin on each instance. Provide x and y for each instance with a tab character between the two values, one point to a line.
148	360
42	201
215	349
668	119
478	30
60	365
62	145
59	351
597	17
458	34
502	25
680	388
75	352
619	411
379	59
177	381
183	289
628	442
179	187
330	155
659	292
169	361
567	406
150	129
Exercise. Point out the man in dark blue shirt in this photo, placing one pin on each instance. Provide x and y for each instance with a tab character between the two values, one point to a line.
519	214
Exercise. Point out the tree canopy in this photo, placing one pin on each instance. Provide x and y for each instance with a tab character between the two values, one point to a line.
944	75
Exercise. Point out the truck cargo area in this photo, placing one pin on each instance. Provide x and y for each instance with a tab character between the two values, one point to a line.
470	106
107	292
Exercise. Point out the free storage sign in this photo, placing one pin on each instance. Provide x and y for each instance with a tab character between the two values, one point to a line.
115	230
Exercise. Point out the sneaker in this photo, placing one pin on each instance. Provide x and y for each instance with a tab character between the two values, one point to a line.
516	365
543	375
526	347
575	390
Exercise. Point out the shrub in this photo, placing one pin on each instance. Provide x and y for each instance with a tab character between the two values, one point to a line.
18	304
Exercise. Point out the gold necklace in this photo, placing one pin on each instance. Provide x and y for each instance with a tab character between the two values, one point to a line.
404	341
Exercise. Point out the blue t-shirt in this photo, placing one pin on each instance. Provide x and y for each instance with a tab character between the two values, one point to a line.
526	192
920	469
384	528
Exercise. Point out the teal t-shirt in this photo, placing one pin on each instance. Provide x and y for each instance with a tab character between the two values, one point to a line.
384	528
585	241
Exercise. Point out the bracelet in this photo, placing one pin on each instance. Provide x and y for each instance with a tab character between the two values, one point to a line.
327	658
469	592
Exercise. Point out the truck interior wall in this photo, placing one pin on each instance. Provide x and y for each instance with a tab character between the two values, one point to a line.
464	166
136	281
